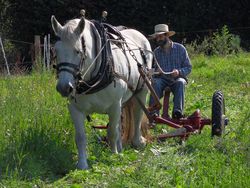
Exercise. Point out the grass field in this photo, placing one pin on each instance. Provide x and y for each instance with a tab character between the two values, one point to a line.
37	146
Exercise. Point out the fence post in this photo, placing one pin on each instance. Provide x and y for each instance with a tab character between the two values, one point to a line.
37	50
48	52
4	56
45	52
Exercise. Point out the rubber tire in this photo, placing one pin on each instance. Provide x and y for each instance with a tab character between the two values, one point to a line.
218	114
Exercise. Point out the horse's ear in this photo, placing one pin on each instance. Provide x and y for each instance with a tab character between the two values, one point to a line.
79	29
56	25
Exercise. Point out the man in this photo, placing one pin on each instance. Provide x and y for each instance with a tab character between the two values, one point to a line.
171	58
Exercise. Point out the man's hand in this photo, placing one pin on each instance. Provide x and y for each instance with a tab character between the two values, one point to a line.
175	73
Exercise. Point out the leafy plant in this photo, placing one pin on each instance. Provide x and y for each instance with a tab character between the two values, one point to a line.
224	43
221	42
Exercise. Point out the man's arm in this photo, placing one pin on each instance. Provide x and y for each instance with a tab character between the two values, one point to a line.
186	65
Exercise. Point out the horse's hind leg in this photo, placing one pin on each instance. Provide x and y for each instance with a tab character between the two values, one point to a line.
80	137
114	136
138	140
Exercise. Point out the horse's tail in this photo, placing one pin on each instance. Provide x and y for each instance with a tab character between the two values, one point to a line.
145	128
127	123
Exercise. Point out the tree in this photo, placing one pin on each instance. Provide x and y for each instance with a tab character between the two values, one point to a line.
23	19
5	20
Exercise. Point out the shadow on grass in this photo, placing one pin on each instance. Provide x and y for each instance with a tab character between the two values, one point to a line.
36	153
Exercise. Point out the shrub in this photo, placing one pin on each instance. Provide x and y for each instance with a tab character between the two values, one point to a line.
220	43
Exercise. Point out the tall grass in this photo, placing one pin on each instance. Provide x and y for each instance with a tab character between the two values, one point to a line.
35	128
37	137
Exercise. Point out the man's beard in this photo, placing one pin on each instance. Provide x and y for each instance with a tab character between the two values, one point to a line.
162	43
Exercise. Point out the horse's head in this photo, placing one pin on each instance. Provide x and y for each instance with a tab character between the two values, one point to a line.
70	52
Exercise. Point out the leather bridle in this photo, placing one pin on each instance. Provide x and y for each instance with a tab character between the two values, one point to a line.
71	68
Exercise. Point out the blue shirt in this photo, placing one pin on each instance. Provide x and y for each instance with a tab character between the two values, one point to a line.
175	58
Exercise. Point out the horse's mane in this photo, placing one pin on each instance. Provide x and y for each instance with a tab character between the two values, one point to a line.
68	32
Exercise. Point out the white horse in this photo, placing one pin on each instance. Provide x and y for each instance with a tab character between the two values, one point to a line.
79	50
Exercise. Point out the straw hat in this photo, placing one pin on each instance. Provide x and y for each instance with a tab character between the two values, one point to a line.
160	29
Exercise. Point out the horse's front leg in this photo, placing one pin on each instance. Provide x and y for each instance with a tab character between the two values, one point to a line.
138	140
114	129
80	137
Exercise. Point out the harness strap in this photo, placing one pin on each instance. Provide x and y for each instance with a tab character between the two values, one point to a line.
113	30
69	71
64	66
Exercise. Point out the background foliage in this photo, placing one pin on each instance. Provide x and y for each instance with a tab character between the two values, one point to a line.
23	19
219	43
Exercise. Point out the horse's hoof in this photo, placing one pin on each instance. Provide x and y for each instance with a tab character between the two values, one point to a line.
141	143
119	147
115	151
82	166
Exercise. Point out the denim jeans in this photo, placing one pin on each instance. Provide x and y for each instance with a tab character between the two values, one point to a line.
177	88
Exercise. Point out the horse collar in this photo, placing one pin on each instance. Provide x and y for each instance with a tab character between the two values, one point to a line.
105	74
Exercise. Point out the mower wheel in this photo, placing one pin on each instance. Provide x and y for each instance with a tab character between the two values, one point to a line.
218	114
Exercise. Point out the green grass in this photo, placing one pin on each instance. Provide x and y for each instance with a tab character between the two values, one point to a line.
37	137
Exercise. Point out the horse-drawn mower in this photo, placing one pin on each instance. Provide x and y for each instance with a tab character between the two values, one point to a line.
194	123
182	127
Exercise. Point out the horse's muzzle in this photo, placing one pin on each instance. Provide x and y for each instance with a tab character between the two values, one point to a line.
64	89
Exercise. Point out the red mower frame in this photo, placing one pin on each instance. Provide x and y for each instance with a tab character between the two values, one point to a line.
185	126
194	123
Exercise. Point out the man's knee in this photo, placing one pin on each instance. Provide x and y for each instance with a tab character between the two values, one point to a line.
180	82
158	86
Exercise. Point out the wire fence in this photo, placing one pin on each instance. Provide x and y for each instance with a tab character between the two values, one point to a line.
19	57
